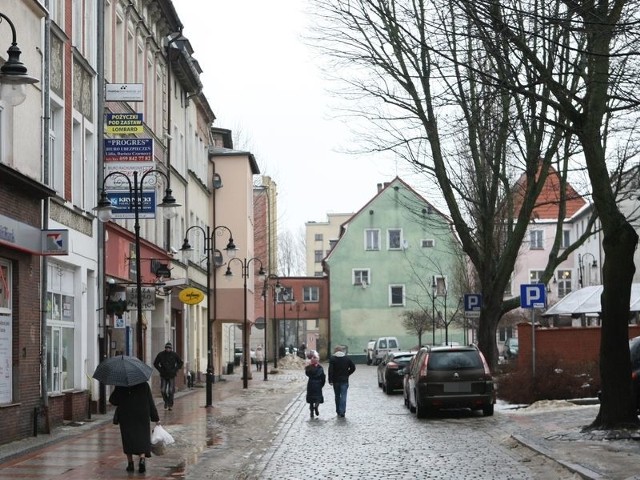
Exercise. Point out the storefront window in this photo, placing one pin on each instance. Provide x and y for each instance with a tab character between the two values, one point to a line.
6	334
60	330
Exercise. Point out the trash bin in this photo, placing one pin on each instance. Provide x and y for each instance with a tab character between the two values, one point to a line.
229	368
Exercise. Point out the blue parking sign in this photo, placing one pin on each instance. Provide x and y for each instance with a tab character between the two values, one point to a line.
533	295
472	302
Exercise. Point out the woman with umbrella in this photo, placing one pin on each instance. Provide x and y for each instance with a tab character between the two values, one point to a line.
135	408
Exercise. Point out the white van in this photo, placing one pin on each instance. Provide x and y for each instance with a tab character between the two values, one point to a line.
383	346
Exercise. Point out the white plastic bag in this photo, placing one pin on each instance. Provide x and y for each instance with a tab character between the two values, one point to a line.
160	436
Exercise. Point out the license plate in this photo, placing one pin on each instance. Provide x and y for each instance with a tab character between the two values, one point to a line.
459	387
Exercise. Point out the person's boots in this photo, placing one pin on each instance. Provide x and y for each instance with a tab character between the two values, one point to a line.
311	409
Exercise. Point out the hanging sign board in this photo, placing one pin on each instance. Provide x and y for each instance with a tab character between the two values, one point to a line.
123	123
124	92
191	296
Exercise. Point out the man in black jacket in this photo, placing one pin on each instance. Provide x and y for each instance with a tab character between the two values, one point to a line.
168	363
340	367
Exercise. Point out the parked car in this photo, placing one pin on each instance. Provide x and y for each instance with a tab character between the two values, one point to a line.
369	351
510	350
383	346
391	370
449	377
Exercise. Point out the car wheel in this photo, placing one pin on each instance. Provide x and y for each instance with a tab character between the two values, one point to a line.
388	389
421	410
487	410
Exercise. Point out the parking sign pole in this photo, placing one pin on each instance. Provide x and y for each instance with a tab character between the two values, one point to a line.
533	343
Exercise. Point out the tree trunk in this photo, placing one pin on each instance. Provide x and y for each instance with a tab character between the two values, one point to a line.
617	408
488	324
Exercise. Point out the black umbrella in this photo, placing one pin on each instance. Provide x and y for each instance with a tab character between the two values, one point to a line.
122	371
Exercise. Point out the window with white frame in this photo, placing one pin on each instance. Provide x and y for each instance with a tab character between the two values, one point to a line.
372	239
60	329
564	283
318	237
394	238
535	276
361	276
566	238
396	295
311	294
6	333
318	256
56	152
440	284
535	240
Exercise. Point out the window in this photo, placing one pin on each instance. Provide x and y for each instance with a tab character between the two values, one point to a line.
535	240
317	256
396	295
285	295
564	283
311	294
427	243
56	144
440	284
505	332
60	329
332	243
318	237
394	238
566	239
361	277
6	332
372	239
535	276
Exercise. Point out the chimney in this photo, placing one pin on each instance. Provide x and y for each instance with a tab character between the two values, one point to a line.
379	187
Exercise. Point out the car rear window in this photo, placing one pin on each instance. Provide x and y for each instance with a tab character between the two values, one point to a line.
454	360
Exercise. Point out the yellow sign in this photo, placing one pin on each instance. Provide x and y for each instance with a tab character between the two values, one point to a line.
124	129
191	296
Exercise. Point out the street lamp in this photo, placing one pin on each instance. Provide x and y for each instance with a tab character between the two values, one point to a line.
13	74
275	289
434	291
208	249
594	264
104	211
245	336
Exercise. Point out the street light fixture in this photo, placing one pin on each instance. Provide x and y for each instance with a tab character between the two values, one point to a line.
13	74
209	248
104	212
594	264
245	335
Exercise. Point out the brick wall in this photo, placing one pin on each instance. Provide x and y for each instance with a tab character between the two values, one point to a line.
567	345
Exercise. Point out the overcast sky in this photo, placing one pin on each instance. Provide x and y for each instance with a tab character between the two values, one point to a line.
263	83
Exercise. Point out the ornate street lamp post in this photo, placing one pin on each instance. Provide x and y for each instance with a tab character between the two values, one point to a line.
105	213
13	73
209	249
245	335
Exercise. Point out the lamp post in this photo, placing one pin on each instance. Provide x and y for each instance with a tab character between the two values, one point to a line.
285	297
208	250
594	265
105	213
434	291
13	73
275	289
245	335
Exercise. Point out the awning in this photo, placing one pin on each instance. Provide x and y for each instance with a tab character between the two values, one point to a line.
587	300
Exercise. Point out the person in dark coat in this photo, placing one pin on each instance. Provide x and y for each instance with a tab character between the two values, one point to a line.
340	368
135	411
168	363
316	381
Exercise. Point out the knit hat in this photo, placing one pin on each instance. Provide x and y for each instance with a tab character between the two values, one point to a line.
168	345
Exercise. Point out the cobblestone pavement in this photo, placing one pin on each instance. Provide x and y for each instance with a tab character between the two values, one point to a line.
264	432
379	438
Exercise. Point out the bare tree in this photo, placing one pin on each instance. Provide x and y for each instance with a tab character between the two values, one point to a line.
291	253
416	72
416	322
585	55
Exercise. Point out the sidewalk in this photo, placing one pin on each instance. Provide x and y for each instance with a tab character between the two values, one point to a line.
93	449
221	442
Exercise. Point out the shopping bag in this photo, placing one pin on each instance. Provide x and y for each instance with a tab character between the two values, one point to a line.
160	436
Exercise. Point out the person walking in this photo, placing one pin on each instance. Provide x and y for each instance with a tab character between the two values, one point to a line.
259	358
340	368
135	409
168	363
316	381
